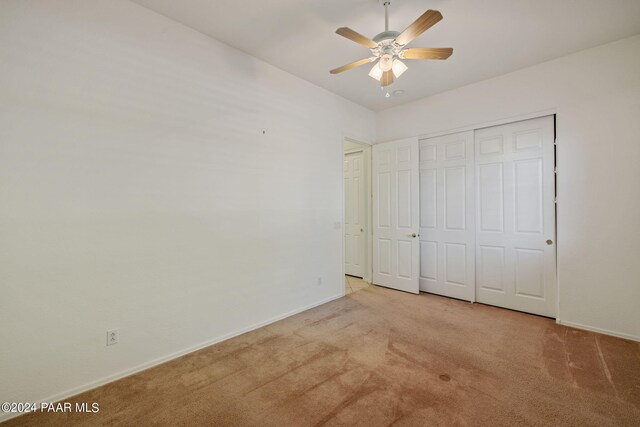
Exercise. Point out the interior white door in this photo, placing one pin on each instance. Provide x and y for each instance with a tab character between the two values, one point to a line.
515	242
354	214
447	216
395	215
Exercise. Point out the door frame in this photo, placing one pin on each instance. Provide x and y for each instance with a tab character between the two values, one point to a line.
368	242
491	123
363	206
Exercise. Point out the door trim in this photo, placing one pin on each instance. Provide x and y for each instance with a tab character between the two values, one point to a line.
490	123
363	206
366	148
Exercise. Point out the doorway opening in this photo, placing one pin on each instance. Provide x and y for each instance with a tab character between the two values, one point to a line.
357	215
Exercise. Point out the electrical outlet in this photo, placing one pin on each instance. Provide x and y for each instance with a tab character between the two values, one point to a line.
319	281
112	336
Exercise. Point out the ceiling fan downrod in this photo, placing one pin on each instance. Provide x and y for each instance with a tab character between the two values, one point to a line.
386	15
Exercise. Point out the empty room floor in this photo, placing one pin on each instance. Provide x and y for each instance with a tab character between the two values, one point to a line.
378	357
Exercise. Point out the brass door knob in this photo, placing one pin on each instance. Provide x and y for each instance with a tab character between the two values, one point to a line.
549	242
413	235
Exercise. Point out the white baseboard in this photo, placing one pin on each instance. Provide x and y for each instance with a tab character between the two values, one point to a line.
4	416
598	330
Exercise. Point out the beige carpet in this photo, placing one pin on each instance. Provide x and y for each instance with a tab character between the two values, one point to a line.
379	357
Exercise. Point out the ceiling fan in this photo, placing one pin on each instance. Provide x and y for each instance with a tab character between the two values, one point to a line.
389	47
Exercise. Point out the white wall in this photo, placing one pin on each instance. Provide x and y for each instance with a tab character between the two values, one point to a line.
139	191
596	95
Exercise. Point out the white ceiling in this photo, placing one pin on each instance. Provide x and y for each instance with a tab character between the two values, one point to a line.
489	37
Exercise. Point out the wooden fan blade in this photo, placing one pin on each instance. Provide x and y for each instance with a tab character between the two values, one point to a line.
386	79
420	25
352	65
427	53
356	37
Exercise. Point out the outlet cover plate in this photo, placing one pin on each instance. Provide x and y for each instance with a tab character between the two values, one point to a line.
112	336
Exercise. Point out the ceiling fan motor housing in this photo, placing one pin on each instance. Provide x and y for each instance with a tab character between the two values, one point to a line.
386	44
386	36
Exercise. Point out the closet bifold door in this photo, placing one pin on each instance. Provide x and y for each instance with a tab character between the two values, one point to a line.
447	216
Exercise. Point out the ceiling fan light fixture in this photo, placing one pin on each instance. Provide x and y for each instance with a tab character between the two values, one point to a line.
376	71
398	68
386	62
